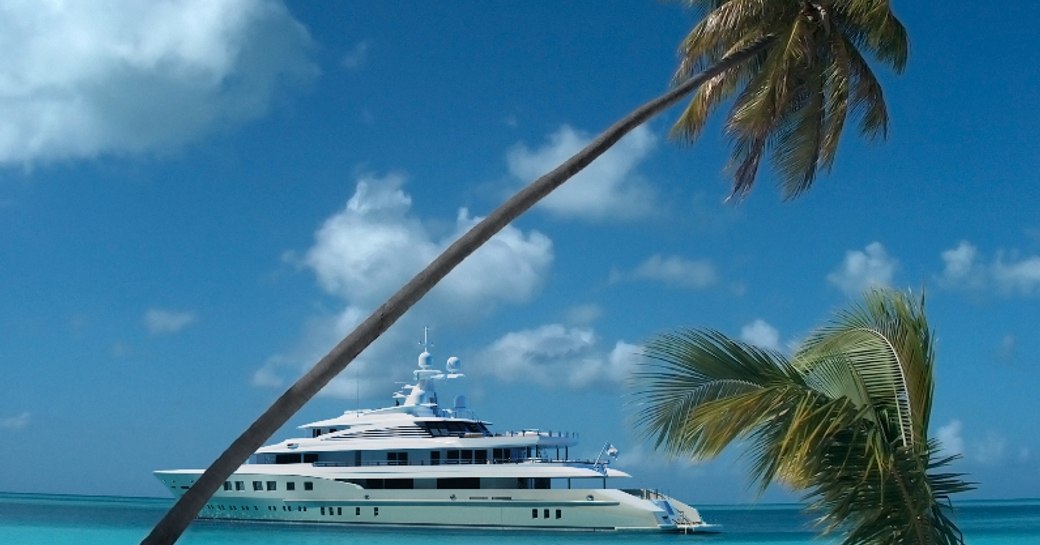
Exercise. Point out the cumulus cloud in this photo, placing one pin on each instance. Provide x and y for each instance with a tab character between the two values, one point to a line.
584	314
372	246
961	267
608	189
1019	276
18	422
677	271
990	451
761	334
862	270
114	77
555	355
950	439
159	321
1008	273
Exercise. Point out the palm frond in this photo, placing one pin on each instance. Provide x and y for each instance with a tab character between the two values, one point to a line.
888	344
844	419
793	99
838	81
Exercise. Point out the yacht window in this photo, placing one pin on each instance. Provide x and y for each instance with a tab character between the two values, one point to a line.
534	513
239	485
545	513
357	511
307	485
455	483
397	458
291	485
480	456
559	513
400	484
453	456
375	511
323	510
435	458
227	485
339	510
272	485
258	485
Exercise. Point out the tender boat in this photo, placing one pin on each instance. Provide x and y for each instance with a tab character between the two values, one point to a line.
417	464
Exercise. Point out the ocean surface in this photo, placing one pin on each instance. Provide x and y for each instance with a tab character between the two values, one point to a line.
31	519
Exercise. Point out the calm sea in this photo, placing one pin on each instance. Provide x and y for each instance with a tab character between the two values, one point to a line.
31	519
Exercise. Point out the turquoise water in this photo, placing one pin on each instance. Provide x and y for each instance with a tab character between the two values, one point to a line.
31	519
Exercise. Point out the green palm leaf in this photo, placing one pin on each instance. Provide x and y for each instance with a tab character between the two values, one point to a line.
791	100
845	418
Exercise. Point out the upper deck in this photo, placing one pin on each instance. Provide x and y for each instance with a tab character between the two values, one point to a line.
417	430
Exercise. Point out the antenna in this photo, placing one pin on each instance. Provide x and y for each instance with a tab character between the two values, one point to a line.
426	344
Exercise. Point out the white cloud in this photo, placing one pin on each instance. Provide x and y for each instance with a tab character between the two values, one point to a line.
960	266
19	422
114	77
370	248
1020	277
608	189
761	334
862	270
991	451
159	321
584	314
555	355
1008	274
950	439
1006	348
677	271
356	57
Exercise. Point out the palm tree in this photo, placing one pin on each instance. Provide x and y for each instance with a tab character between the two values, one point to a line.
844	419
738	43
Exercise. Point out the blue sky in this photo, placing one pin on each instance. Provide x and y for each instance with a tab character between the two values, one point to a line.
197	199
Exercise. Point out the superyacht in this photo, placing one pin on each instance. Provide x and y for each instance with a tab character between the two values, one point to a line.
418	464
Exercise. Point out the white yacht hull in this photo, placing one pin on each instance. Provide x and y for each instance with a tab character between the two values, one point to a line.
330	501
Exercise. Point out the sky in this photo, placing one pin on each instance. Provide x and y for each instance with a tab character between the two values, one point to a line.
198	199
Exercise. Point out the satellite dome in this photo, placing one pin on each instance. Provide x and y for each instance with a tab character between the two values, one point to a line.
460	402
454	364
424	360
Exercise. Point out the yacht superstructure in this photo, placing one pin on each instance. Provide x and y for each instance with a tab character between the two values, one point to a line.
419	464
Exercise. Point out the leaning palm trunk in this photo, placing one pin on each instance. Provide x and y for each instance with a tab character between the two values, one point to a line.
177	519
